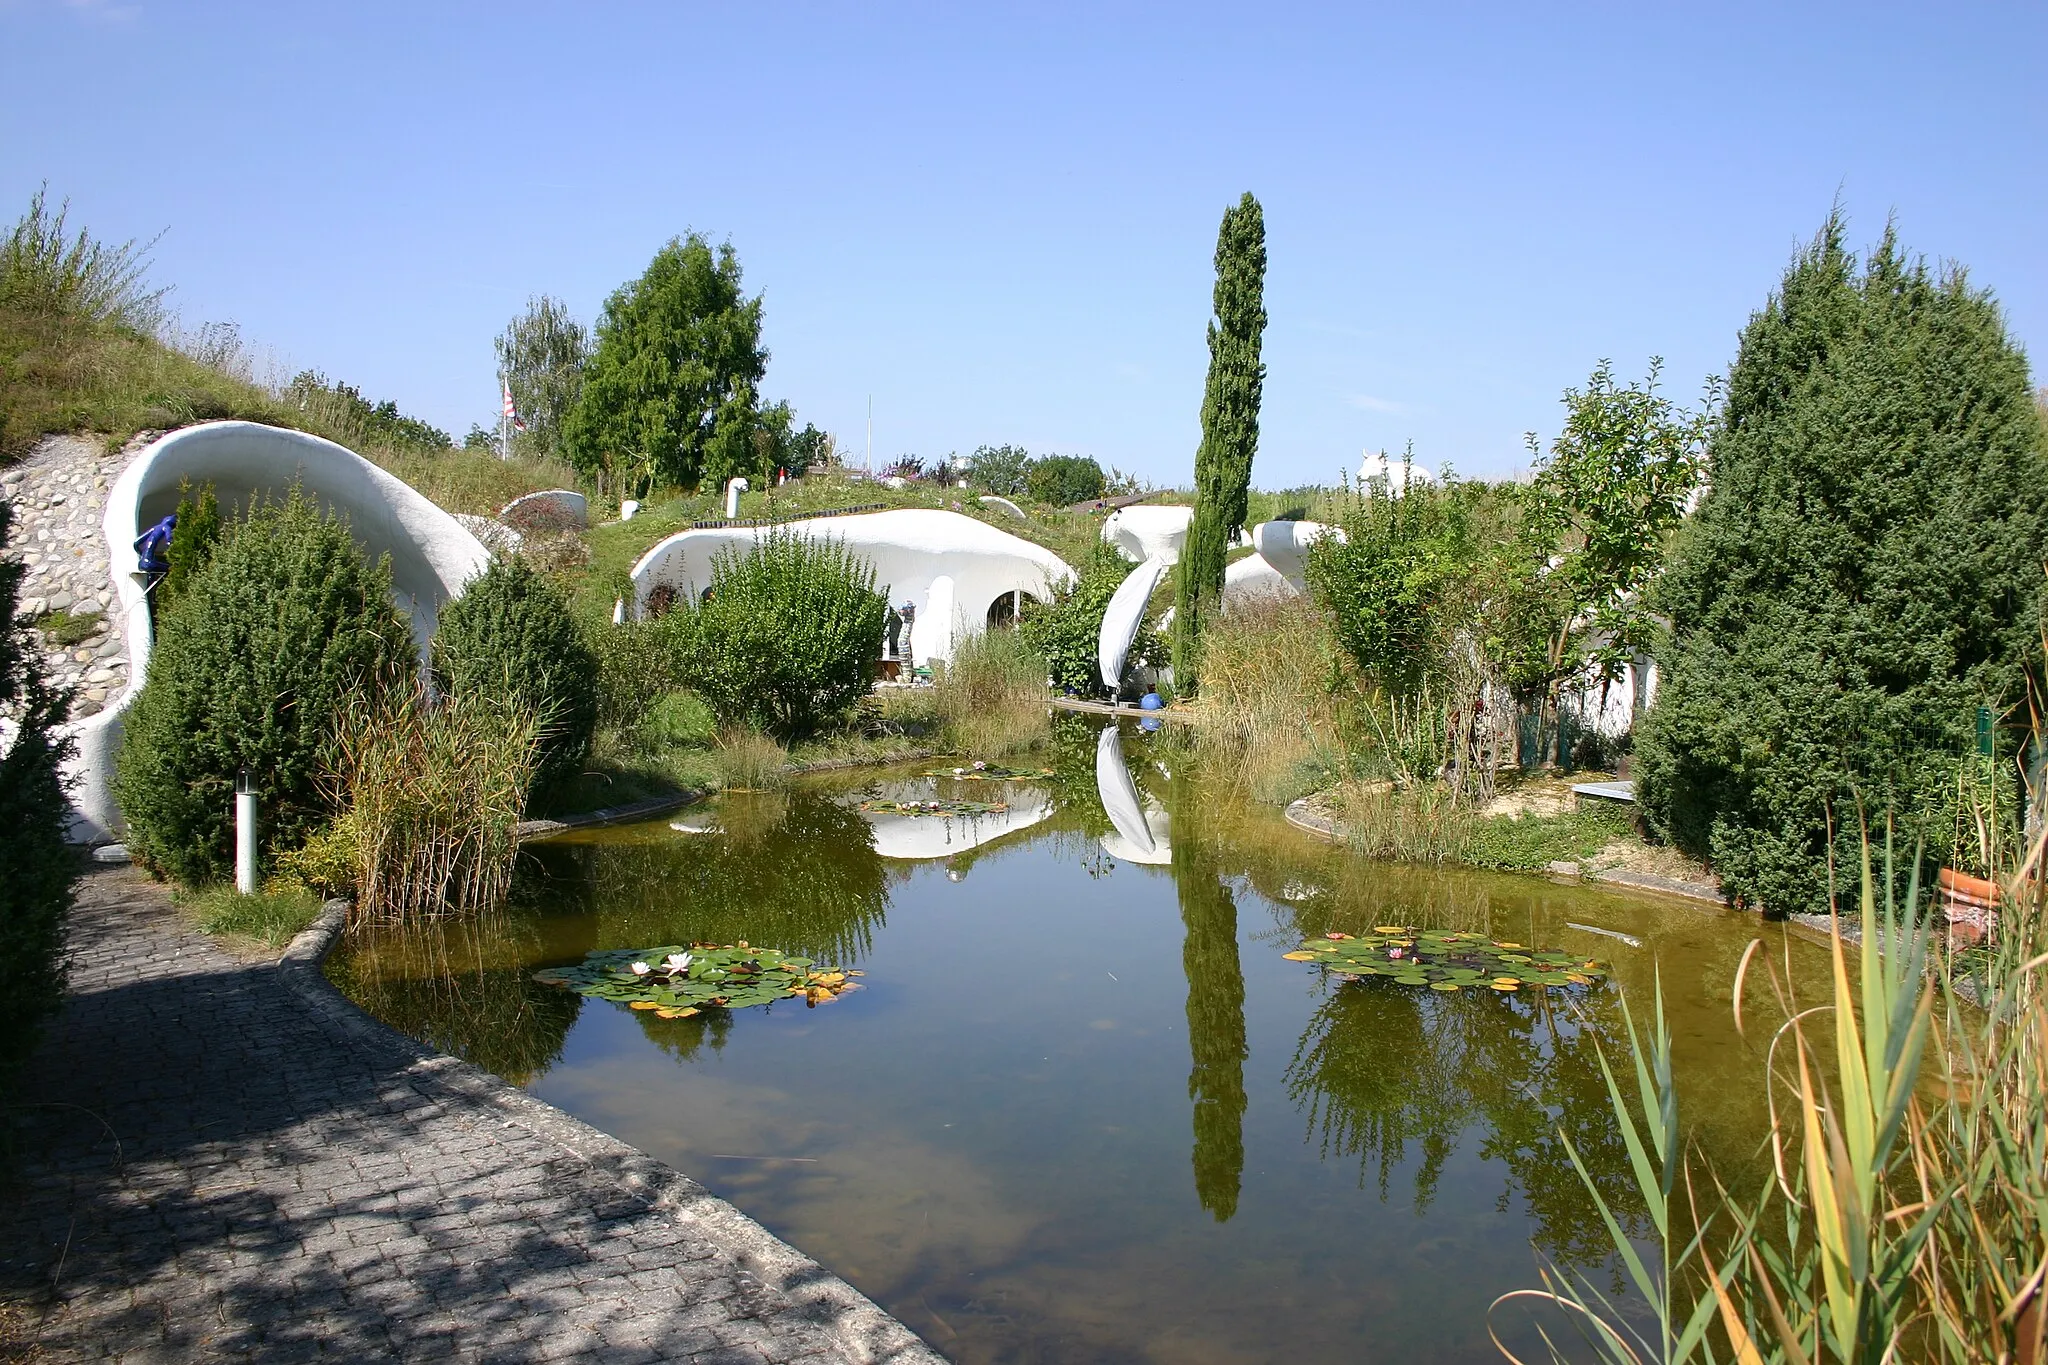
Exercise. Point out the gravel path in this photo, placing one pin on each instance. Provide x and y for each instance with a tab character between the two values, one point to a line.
218	1159
60	494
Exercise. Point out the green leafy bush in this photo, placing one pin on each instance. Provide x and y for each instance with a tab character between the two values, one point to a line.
249	670
36	870
1401	585
1064	478
1863	574
1067	632
511	629
787	638
1002	470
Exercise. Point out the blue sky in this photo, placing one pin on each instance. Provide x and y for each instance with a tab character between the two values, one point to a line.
998	221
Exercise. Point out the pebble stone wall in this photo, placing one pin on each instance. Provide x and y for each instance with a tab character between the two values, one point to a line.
59	494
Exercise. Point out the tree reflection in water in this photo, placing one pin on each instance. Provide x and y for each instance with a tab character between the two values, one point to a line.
792	870
1383	1067
465	989
1216	1036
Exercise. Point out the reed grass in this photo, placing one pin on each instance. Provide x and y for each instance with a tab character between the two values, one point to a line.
430	795
1905	1216
990	699
1277	698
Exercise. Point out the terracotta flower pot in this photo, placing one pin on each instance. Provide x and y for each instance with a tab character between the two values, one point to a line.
1970	905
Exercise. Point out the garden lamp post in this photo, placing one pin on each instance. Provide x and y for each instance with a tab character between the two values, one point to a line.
245	833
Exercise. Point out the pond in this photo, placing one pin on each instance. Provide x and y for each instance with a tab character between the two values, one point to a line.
1085	1109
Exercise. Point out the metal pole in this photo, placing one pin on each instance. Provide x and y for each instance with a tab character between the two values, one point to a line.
245	834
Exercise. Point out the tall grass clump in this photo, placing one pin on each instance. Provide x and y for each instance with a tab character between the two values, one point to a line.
1275	689
79	343
1905	1213
281	622
787	639
750	761
430	796
991	695
45	268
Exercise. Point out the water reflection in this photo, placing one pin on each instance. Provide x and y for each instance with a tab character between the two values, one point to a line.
1141	825
465	990
1382	1068
794	869
1216	1037
920	838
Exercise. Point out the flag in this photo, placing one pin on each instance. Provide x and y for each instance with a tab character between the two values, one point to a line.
511	411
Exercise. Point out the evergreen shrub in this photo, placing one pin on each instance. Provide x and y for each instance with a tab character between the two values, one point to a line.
511	632
1864	572
788	637
251	663
36	869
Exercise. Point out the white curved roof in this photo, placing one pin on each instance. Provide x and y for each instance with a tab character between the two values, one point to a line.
1146	530
951	567
432	555
1398	474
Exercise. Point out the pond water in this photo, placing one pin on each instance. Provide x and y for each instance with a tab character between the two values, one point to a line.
1084	1109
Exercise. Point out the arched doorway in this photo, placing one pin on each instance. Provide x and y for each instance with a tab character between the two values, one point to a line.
1002	613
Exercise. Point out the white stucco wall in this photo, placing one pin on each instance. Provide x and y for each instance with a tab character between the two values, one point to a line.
432	555
951	567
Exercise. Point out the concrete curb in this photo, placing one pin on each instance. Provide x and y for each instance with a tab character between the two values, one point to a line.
792	1293
633	810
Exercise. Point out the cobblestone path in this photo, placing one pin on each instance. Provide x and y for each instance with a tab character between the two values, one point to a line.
211	1164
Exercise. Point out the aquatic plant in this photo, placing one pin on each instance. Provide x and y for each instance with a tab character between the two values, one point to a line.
883	806
990	772
678	983
1445	960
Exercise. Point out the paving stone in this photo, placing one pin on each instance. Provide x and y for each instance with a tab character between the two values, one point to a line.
209	1170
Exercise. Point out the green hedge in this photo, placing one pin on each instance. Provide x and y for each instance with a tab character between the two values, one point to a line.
251	662
36	869
511	627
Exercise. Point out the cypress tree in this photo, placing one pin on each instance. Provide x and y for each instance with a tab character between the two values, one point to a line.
1230	429
1863	574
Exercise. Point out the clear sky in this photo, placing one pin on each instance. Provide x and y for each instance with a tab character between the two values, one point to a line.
998	220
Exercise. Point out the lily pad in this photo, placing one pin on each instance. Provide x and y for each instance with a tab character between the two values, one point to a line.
881	806
678	982
989	772
1446	960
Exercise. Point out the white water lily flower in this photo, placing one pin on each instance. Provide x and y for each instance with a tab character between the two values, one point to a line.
678	961
641	969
